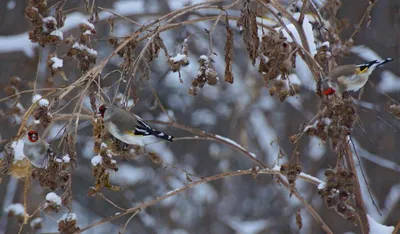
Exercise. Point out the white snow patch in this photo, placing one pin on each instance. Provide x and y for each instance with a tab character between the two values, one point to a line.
16	209
232	142
36	98
310	177
376	227
178	58
96	160
18	150
58	34
50	19
36	221
90	25
276	168
66	158
203	57
67	217
53	198
322	185
57	63
326	43
82	47
44	102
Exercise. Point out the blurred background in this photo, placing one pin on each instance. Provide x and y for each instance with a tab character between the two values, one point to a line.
243	111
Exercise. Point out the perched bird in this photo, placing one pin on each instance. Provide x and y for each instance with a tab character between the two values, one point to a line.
128	127
35	149
349	77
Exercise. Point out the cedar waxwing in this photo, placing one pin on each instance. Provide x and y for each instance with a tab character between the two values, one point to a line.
128	127
349	77
35	149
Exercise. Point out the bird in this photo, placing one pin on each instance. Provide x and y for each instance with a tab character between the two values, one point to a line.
35	149
350	77
128	127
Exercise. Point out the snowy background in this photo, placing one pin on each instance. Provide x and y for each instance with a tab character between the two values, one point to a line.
243	112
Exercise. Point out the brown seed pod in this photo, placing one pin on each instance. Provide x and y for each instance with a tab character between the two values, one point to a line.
273	90
331	202
341	208
344	196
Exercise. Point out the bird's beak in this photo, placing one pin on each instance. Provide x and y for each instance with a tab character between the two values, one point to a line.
34	137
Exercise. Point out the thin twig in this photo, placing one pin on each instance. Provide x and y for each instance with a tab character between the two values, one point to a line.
363	175
109	201
302	11
360	207
126	224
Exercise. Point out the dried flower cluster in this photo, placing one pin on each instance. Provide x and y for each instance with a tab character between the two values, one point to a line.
291	171
276	63
81	50
180	60
338	193
67	224
45	29
394	109
101	164
335	121
205	74
54	175
41	113
325	59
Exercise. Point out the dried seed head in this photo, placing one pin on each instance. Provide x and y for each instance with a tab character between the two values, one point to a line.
330	173
344	196
283	94
284	169
273	90
254	171
331	202
341	208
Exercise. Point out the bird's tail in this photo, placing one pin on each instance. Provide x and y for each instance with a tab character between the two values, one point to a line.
144	129
162	135
380	63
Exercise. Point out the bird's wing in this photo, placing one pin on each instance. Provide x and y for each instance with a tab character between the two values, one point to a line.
131	124
346	70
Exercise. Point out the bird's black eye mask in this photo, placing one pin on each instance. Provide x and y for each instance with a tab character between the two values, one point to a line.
102	109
